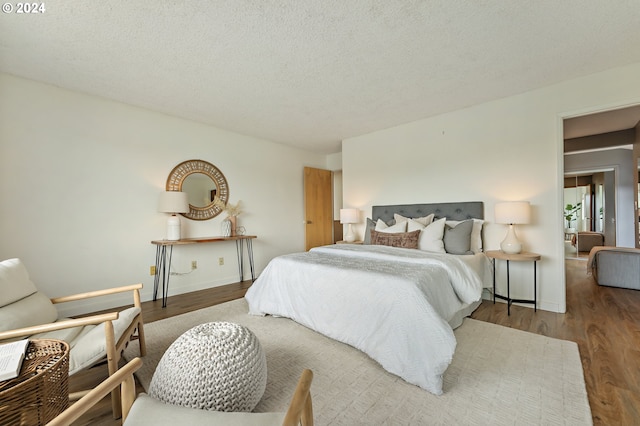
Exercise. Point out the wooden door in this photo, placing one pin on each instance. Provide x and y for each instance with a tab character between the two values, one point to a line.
318	207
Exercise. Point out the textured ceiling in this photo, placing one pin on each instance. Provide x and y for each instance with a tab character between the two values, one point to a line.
310	73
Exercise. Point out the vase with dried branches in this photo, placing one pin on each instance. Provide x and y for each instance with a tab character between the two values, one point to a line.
232	211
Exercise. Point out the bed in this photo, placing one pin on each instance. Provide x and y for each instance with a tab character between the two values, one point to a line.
397	304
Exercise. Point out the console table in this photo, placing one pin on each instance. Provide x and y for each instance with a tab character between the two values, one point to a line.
163	258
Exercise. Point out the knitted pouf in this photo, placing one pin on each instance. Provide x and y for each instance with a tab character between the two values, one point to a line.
215	366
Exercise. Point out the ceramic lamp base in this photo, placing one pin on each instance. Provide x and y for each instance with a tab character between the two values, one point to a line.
173	228
350	236
510	244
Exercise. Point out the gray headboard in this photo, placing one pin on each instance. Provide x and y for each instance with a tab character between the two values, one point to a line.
452	211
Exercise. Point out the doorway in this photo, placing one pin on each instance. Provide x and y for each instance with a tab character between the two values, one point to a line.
606	142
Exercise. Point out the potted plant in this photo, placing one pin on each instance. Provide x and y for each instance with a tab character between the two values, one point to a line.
570	214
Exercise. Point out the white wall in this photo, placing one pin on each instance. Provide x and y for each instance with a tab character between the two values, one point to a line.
79	184
509	149
334	162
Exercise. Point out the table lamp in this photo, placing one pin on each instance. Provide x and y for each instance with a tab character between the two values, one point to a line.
173	202
512	213
349	216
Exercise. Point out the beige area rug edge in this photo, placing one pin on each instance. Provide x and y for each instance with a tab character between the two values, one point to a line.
498	375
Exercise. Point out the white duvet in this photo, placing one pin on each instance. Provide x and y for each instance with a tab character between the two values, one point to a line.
393	304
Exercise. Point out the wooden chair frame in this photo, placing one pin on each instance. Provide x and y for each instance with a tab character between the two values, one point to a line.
114	349
300	411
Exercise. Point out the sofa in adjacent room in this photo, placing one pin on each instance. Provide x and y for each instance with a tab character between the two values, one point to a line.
615	266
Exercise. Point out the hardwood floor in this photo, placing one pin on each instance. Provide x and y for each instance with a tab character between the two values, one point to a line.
603	321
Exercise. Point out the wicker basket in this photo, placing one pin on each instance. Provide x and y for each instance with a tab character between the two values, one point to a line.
41	390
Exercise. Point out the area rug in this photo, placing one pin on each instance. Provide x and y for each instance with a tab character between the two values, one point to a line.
499	376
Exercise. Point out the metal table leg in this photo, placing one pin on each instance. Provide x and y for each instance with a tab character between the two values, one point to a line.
250	254
165	279
156	277
163	269
494	280
239	250
508	291
535	287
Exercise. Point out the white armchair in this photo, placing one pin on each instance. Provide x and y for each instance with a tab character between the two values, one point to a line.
144	410
26	312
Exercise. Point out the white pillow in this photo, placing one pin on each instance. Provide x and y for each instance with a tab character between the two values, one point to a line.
412	225
431	237
398	227
422	220
476	233
14	282
90	346
32	310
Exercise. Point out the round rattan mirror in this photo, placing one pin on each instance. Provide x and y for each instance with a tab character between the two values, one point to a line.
202	181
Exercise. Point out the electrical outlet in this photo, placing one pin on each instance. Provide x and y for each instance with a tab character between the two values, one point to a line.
152	270
194	264
221	261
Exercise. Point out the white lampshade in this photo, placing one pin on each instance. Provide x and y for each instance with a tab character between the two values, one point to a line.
513	212
173	202
349	216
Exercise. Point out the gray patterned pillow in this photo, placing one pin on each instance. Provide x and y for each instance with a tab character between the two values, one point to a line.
396	239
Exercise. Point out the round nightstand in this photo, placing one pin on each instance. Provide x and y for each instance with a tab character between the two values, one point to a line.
520	257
